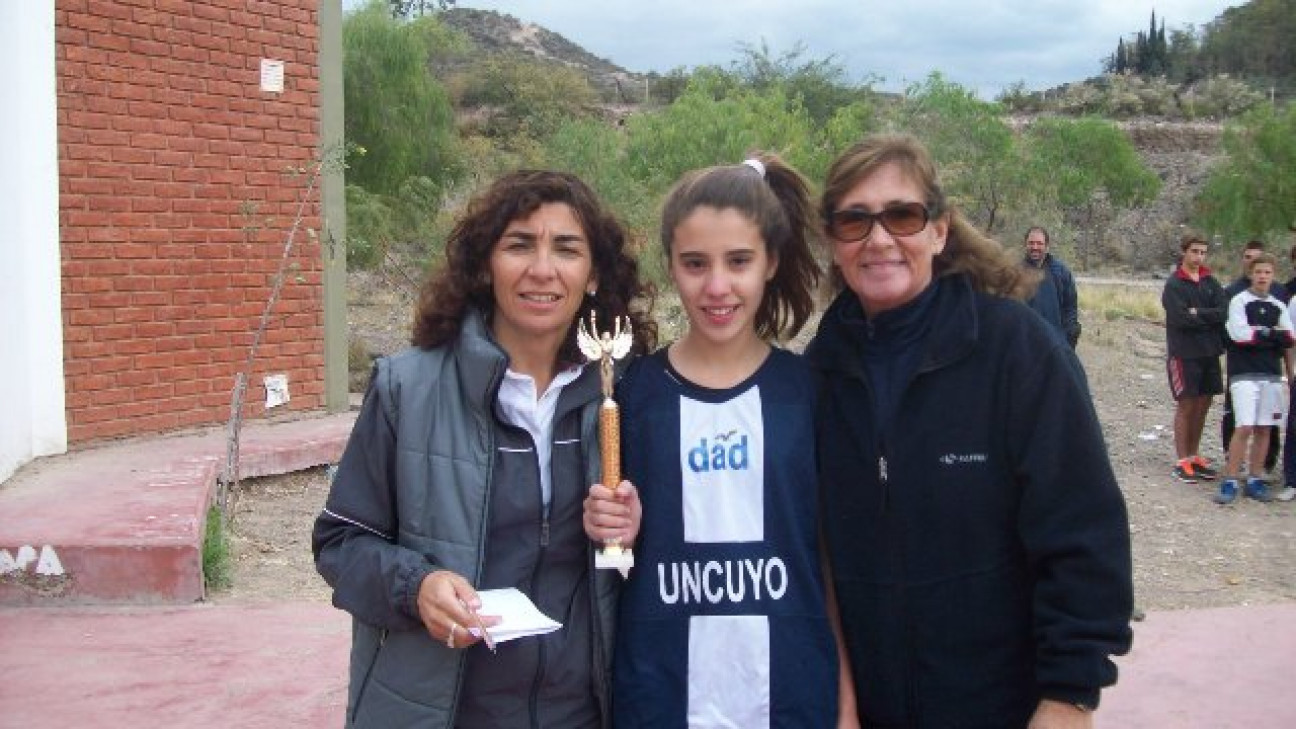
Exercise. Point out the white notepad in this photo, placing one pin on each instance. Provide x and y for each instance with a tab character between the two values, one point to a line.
519	616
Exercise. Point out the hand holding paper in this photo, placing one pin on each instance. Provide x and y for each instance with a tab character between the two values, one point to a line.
519	617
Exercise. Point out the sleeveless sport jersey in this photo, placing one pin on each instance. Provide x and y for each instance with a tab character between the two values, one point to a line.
722	621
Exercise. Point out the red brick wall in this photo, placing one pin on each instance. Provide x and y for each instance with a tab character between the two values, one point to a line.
175	206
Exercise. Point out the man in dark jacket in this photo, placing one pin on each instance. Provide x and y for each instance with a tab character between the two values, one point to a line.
1055	299
1196	308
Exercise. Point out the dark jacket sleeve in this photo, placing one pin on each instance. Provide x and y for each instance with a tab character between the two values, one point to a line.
1175	303
1070	304
354	541
1075	530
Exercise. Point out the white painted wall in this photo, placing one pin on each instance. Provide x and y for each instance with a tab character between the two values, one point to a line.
32	419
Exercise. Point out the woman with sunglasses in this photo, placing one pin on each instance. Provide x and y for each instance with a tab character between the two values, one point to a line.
978	540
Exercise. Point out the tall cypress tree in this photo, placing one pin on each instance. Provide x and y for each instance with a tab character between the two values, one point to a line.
1163	49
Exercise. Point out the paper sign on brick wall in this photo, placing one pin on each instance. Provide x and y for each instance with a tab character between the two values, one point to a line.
276	390
272	76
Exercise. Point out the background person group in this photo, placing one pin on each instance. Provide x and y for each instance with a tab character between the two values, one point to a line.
886	566
1249	321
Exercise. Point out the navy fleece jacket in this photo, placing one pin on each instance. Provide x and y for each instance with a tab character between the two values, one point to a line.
978	539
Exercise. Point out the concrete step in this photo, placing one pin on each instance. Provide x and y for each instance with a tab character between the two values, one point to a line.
123	522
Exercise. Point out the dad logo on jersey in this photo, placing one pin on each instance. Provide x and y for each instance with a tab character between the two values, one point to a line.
727	451
722	469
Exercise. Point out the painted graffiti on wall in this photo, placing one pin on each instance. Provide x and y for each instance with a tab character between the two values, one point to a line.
47	563
37	570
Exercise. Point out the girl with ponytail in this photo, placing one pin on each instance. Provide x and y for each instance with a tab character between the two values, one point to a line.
724	621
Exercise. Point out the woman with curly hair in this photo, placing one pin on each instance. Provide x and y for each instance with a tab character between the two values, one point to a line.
468	467
977	538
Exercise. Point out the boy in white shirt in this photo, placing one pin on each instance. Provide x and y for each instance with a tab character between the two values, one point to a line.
1261	330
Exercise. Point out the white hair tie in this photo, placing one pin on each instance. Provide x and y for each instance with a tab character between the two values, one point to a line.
757	165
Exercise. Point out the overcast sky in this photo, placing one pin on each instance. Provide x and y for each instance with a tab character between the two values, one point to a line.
985	45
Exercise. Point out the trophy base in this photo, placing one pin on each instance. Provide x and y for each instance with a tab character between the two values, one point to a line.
614	557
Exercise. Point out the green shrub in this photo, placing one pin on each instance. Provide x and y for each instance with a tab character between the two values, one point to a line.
369	227
528	98
217	562
1252	192
700	130
395	109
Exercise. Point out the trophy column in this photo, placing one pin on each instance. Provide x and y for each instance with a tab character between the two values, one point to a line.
604	348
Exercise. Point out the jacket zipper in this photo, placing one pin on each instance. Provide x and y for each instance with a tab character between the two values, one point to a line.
489	429
534	700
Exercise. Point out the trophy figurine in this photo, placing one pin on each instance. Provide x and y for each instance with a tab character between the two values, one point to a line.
605	348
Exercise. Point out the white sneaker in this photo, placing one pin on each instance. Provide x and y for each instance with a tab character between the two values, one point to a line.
1287	494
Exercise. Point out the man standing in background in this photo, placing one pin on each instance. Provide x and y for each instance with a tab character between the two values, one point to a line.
1055	299
1196	308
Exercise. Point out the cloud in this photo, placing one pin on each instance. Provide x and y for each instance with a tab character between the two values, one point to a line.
985	45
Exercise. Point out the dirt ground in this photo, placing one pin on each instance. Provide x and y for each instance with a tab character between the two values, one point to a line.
1188	552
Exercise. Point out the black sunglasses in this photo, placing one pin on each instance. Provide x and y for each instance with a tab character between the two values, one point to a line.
853	224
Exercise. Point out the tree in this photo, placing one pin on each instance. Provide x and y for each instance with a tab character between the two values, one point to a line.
700	130
666	89
596	152
395	110
1253	192
1182	62
1088	164
1154	64
820	85
1254	41
974	145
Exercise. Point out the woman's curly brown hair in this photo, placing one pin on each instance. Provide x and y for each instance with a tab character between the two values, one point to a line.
462	281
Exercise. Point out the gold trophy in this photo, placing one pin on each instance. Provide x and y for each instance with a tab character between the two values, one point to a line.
605	348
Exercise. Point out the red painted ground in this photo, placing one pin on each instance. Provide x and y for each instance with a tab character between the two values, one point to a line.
285	666
251	666
1224	668
222	667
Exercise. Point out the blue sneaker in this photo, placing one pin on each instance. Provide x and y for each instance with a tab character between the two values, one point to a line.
1227	493
1258	490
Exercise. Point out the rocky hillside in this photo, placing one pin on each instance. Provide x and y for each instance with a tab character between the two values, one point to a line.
1182	154
494	32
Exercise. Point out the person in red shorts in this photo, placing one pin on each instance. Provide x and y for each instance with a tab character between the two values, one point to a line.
1196	308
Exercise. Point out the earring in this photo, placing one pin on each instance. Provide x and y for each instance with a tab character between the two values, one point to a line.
591	292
